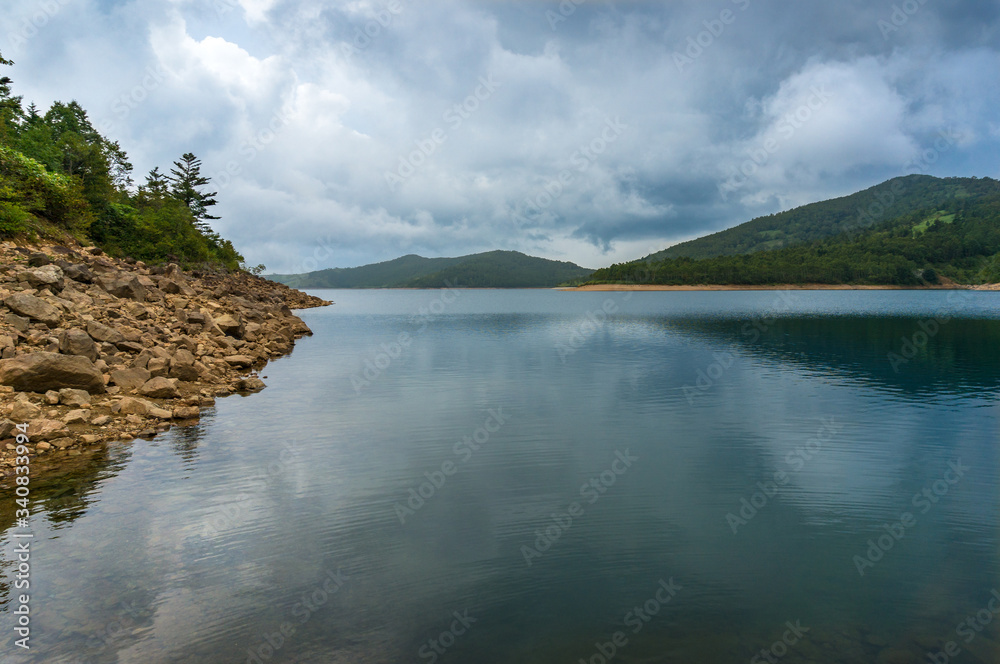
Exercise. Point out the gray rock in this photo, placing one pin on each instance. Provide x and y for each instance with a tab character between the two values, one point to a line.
17	322
74	398
49	276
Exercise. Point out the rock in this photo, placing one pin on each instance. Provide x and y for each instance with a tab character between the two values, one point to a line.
43	446
74	398
132	406
160	388
24	410
77	342
76	416
63	443
127	287
38	259
34	308
80	273
250	384
44	429
100	420
129	346
158	366
230	326
17	322
196	318
41	371
103	333
91	438
161	413
130	379
49	276
182	366
186	412
239	360
52	397
8	429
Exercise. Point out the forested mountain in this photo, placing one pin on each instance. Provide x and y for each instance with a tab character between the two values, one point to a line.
889	200
60	177
494	269
957	236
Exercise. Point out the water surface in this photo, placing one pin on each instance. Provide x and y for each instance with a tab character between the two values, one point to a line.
702	473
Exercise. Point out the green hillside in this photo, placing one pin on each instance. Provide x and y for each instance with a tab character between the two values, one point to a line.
493	269
956	236
889	200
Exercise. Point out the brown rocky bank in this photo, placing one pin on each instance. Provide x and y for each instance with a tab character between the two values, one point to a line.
94	349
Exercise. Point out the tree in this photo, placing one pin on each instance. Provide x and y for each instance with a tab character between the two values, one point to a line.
186	183
157	185
10	106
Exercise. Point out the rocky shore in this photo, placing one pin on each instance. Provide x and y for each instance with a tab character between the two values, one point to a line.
94	349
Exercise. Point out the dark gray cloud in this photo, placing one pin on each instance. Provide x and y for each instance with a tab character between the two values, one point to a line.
341	133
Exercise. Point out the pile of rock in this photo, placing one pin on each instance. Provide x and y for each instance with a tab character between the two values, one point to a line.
94	349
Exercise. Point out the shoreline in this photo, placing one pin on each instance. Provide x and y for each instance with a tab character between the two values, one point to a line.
97	350
776	287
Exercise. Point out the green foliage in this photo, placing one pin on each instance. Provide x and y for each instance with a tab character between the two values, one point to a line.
494	269
57	171
960	242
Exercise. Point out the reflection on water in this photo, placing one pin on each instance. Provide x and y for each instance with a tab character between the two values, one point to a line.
381	502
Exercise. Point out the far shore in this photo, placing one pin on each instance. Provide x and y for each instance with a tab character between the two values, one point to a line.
737	287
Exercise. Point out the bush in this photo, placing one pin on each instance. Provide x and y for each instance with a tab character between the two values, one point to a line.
14	220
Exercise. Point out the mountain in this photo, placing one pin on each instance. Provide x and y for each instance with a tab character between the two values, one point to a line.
951	229
493	269
889	200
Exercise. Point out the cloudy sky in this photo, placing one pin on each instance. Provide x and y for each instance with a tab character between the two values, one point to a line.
343	133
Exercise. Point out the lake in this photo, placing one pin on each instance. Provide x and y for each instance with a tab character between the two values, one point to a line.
480	476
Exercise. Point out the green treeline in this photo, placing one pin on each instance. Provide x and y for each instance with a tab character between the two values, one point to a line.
59	176
958	238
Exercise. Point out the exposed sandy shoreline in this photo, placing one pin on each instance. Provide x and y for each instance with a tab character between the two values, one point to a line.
724	287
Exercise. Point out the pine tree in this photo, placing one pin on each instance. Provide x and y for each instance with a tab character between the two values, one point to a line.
186	183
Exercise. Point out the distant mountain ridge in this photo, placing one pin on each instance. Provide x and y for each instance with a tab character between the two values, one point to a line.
492	269
891	199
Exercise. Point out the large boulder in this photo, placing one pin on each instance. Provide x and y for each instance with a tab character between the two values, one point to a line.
182	366
77	342
79	273
34	308
42	371
230	326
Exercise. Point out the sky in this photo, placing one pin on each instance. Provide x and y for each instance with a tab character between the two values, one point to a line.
344	133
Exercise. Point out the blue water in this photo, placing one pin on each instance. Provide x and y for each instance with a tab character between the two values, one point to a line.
545	476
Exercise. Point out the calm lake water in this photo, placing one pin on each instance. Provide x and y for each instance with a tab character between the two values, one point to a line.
543	477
